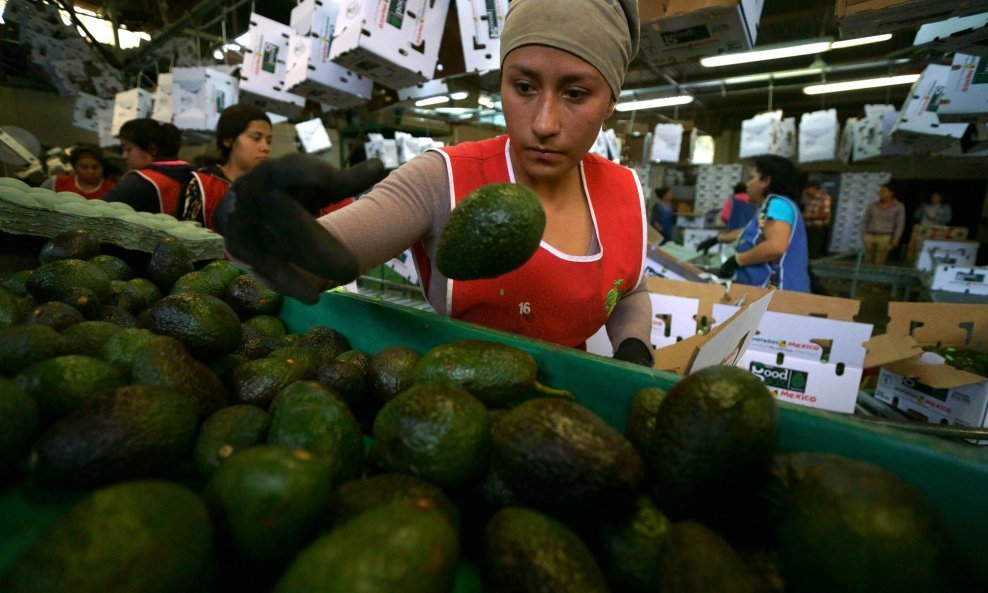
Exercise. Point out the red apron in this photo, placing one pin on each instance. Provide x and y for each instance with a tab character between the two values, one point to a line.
212	189
67	183
554	296
167	188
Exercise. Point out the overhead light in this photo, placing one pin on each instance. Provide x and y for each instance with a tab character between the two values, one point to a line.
860	41
654	103
218	54
485	101
766	54
459	96
432	101
802	49
853	85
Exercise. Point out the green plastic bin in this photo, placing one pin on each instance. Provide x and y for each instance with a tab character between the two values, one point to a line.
953	476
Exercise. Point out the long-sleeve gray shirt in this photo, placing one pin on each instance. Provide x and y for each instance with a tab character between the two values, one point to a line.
885	220
411	205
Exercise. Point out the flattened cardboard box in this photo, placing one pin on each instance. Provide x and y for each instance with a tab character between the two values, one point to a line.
858	18
939	392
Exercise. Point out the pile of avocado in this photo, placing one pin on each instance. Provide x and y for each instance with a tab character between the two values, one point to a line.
196	444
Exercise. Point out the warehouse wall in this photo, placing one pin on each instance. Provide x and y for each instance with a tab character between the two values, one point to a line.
45	115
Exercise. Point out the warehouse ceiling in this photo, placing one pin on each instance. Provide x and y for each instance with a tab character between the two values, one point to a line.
717	105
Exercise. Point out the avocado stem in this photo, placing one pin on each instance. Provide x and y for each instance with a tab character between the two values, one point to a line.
560	393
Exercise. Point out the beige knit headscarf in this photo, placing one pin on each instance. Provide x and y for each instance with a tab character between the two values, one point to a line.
602	32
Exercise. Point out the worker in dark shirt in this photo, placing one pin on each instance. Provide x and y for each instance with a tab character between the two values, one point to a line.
157	178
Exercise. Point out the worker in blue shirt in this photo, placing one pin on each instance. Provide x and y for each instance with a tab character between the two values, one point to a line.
771	250
663	215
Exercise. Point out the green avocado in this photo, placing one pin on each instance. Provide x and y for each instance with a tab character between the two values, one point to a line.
135	537
206	326
406	546
559	457
715	432
226	432
528	551
493	230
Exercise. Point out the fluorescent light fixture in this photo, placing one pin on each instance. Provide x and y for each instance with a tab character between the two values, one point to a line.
766	54
860	41
485	101
854	85
218	54
654	103
459	96
432	101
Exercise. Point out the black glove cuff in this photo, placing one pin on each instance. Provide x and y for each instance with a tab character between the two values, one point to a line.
636	351
728	268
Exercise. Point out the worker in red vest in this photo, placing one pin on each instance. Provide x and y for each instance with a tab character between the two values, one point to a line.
156	179
87	177
243	137
562	67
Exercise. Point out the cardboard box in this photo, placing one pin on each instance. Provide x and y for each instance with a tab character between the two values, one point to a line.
955	34
808	342
918	125
393	43
262	75
88	110
164	103
480	24
936	391
677	31
667	141
960	279
818	133
128	105
845	149
768	133
965	97
936	252
199	96
859	18
308	69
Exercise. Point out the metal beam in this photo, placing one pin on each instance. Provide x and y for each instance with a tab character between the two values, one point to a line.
177	28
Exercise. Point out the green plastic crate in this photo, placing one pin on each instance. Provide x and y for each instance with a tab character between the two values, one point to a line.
953	476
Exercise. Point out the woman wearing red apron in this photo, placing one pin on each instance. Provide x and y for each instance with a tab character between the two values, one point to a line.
243	137
87	177
562	67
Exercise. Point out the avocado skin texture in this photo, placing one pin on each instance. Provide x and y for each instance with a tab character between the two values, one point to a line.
405	546
135	537
60	385
132	431
306	415
847	525
169	261
268	500
206	326
391	371
55	314
248	297
493	230
20	421
438	432
642	410
164	362
75	244
715	432
355	497
696	559
629	548
227	431
88	337
63	280
528	552
259	381
495	373
24	345
561	458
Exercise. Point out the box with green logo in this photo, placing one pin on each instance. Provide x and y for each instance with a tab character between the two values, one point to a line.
966	95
